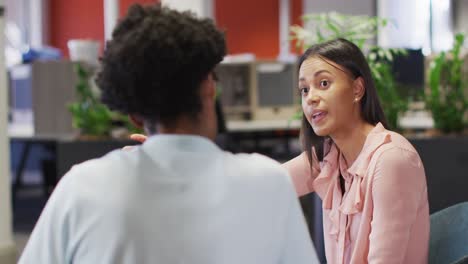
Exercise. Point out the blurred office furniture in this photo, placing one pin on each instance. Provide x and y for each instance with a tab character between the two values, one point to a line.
27	143
66	151
277	139
276	90
260	99
449	235
258	90
40	92
235	80
463	260
445	163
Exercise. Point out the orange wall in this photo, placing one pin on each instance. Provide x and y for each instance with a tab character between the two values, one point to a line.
125	4
252	25
71	19
75	19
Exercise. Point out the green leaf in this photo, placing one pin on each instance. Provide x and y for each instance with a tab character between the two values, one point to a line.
447	100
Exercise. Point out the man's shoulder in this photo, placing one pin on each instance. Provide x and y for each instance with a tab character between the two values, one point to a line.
255	160
109	165
256	167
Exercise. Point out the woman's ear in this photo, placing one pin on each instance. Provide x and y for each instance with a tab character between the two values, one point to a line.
358	88
136	120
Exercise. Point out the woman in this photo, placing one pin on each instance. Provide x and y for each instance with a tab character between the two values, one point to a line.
371	180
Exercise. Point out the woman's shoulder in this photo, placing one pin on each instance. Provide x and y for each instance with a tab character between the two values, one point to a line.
398	141
386	148
397	153
393	139
384	140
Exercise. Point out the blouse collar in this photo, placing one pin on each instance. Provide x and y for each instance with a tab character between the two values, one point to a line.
327	183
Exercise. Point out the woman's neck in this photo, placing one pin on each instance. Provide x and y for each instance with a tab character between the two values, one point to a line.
351	141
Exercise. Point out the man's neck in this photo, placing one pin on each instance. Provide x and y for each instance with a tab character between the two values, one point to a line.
183	126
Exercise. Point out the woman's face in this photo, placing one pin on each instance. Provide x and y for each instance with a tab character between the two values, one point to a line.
329	96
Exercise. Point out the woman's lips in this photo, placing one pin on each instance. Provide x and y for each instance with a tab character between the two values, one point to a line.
318	116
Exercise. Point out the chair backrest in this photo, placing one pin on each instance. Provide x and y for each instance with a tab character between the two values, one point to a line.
449	234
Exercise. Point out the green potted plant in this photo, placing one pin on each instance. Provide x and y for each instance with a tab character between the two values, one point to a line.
89	115
362	31
446	98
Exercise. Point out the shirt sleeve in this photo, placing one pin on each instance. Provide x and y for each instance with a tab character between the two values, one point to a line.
302	175
298	247
398	189
48	240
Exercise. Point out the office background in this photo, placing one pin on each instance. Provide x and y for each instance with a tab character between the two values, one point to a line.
254	29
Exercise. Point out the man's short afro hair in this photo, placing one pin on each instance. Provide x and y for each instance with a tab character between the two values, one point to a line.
156	61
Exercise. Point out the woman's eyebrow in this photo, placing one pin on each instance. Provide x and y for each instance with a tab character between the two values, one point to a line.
320	72
303	79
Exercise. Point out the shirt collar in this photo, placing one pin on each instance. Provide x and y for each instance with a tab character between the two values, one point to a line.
376	138
183	143
327	184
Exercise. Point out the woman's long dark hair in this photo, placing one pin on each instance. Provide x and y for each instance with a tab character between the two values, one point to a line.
351	58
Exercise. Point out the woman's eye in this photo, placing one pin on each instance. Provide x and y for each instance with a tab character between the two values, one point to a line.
324	83
304	90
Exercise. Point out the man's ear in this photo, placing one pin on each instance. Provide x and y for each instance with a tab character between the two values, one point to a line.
136	120
208	87
359	88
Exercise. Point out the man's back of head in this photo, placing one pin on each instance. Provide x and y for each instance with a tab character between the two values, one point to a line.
158	68
178	198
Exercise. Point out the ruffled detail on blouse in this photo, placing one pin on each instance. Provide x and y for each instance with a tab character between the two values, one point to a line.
327	184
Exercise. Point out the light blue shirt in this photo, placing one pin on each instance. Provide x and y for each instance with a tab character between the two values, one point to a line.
175	199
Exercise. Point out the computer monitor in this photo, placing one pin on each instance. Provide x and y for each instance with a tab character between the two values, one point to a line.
235	82
275	92
258	90
409	70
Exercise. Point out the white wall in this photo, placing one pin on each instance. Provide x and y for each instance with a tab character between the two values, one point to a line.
203	8
461	17
111	15
7	249
38	23
420	24
442	25
410	24
349	7
31	18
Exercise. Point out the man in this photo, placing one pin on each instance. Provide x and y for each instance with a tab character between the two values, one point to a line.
177	198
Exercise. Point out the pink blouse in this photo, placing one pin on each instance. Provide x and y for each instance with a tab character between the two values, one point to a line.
383	215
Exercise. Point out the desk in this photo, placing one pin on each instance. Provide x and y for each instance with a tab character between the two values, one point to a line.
48	141
237	126
67	151
254	135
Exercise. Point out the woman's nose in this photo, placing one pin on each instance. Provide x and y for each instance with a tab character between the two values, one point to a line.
312	98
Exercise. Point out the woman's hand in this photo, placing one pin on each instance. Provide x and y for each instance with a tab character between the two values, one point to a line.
137	137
